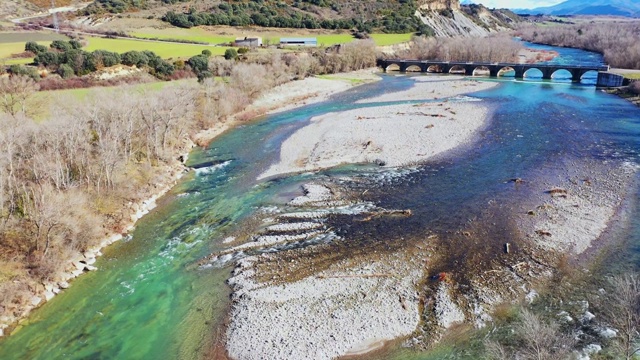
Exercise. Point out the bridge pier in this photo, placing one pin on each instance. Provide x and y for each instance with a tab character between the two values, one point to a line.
468	70
576	75
519	72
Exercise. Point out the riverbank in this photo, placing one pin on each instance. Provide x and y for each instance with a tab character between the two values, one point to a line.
390	135
532	56
625	93
286	96
291	95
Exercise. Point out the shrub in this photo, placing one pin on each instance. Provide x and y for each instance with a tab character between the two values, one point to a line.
61	45
635	87
179	64
243	50
48	58
24	70
75	44
107	58
136	58
206	52
34	47
65	71
163	69
231	54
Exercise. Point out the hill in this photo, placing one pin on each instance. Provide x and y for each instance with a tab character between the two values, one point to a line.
589	7
450	18
430	17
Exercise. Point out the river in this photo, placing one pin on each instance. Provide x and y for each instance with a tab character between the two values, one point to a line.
149	299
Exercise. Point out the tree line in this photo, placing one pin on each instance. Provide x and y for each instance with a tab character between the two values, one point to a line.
65	181
619	42
67	59
402	19
496	48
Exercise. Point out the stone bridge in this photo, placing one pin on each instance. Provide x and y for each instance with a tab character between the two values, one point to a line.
494	69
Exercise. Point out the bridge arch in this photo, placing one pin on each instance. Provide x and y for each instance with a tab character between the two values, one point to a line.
506	71
436	68
413	68
533	73
392	67
562	75
457	69
481	71
589	77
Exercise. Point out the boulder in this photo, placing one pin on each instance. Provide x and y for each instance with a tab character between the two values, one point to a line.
35	301
76	273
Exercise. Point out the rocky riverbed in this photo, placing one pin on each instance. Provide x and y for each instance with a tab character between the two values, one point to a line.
326	300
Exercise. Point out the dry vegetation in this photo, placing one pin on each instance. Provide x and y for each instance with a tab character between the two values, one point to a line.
65	182
599	319
498	48
619	42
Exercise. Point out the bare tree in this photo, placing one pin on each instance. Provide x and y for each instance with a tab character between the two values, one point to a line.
535	339
623	310
15	91
618	41
496	351
497	48
251	79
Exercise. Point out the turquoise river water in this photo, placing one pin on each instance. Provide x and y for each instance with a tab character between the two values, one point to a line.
149	300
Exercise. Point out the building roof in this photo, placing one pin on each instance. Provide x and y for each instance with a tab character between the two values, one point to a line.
246	38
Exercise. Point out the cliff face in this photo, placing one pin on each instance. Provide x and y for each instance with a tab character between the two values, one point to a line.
449	18
437	5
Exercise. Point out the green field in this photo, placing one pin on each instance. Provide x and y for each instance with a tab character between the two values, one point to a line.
390	39
163	49
8	49
16	61
13	43
273	34
193	34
